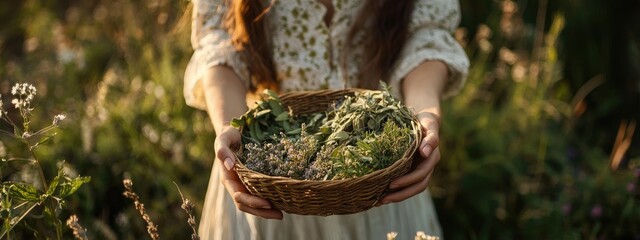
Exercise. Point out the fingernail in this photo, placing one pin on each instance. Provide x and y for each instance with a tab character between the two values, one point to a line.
426	150
266	207
385	202
423	144
228	163
393	186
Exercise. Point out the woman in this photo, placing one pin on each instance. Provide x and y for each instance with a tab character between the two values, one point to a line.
242	46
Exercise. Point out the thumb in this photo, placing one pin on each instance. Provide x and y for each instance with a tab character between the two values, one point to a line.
224	153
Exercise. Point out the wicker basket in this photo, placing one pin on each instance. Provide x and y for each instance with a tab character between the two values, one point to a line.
315	197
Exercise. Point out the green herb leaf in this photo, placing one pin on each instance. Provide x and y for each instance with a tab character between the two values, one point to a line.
24	192
238	122
342	135
263	112
70	186
283	116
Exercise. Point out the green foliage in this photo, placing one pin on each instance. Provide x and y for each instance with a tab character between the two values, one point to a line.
118	76
513	167
28	199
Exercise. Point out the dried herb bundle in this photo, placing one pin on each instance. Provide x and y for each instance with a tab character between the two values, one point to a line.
355	136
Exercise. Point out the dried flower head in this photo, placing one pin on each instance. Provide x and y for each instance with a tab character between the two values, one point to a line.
187	205
58	118
392	235
78	231
152	228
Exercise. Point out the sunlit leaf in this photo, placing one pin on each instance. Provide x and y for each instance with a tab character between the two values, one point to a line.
25	192
71	186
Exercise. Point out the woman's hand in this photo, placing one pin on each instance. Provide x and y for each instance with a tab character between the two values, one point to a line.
422	89
229	138
416	181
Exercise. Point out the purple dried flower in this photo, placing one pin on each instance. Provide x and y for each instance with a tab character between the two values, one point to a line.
636	173
596	211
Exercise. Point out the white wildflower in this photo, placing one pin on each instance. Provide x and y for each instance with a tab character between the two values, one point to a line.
25	93
392	235
58	118
17	102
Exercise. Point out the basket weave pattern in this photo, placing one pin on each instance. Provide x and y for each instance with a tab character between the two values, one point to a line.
314	197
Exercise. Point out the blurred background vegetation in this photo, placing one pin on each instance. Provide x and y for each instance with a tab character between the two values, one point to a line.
539	144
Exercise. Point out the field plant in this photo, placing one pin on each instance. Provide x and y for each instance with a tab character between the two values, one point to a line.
29	199
513	167
118	75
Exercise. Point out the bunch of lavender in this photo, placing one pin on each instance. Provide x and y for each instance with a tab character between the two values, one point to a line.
40	200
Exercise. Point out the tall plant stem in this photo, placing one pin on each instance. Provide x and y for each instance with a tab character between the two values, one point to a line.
44	180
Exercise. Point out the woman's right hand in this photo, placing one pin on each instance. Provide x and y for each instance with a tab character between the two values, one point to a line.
227	140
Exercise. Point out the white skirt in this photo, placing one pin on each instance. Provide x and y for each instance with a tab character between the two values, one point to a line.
221	220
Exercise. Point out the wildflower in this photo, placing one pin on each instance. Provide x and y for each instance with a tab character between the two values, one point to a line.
58	118
17	102
636	173
187	206
596	211
152	229
392	235
25	92
78	231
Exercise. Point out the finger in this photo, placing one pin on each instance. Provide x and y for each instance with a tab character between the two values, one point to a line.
431	131
240	194
245	201
407	192
265	213
251	204
227	157
419	173
224	142
429	142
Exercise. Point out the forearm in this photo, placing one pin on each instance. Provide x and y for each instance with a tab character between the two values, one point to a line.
225	95
422	87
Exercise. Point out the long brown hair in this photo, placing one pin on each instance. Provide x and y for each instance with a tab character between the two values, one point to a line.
383	42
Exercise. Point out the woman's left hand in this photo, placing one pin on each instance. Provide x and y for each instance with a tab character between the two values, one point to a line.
416	181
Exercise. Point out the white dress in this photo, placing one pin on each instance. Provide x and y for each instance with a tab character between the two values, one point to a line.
306	56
